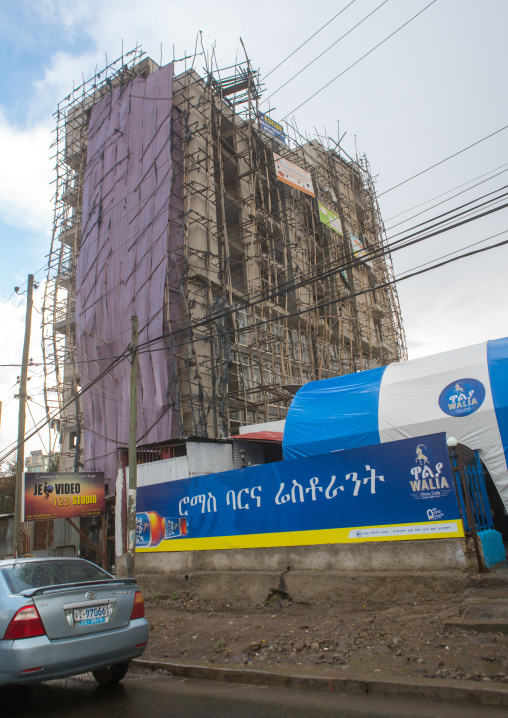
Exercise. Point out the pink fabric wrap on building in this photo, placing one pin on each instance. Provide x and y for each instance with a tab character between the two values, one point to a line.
131	223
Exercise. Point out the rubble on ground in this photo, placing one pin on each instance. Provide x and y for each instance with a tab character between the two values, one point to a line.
408	639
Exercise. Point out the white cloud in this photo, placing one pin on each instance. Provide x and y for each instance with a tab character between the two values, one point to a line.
25	190
70	16
452	313
405	114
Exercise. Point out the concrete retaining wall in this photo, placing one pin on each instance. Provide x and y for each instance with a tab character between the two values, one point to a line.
249	577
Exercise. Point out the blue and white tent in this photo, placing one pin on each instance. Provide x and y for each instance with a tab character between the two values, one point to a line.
463	392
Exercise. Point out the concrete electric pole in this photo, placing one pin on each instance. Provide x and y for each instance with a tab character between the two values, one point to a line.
18	526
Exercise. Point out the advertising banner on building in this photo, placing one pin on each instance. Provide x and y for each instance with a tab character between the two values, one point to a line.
271	128
330	218
293	175
388	492
63	495
359	249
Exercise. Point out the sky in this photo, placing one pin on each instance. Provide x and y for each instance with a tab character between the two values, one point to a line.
432	89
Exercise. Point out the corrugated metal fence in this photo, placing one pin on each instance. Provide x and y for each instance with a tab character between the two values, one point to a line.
40	538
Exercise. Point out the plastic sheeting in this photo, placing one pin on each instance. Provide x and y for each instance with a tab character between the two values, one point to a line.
463	392
129	200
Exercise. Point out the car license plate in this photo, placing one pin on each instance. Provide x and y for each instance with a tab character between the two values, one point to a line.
92	615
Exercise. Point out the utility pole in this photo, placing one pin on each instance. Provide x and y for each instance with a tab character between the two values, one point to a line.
133	463
20	460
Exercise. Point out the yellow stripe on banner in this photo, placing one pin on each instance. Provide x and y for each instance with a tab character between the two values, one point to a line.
394	532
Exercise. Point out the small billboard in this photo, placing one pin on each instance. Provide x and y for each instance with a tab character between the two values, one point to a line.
293	175
359	249
330	218
63	495
271	128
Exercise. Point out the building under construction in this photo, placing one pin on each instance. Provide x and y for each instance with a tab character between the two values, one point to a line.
253	257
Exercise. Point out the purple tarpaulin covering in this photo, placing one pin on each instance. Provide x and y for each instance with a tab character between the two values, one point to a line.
129	205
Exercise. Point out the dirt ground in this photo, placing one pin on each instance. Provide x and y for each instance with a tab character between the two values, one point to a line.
373	636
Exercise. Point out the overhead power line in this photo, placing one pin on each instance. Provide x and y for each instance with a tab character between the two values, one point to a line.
70	401
393	246
444	201
285	288
407	275
452	189
325	51
418	174
251	327
376	253
325	272
450	211
416	273
402	243
359	59
309	39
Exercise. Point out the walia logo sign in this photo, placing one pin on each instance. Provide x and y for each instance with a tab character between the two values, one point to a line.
428	482
462	397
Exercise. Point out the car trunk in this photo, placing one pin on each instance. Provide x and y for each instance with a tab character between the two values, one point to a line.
83	608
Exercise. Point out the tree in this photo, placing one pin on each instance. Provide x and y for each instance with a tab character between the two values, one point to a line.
54	463
8	488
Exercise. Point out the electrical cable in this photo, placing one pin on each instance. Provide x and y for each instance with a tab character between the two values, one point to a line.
286	123
359	60
322	305
7	300
92	360
325	51
311	278
443	214
19	365
418	174
448	191
308	39
444	201
473	244
35	427
395	246
379	286
209	337
373	288
407	230
375	253
58	412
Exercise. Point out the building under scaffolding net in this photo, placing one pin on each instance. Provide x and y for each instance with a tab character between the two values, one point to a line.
253	257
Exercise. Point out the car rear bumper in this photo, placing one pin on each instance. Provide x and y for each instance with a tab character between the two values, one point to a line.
70	656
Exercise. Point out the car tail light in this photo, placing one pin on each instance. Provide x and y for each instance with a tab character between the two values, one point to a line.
138	610
26	623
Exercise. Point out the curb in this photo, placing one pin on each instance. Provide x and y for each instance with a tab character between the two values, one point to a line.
425	690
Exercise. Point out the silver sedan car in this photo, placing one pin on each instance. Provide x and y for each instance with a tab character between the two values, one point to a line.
61	617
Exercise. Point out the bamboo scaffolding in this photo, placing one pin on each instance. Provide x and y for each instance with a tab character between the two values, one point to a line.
244	234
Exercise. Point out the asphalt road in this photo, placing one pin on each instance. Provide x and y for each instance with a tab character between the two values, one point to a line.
165	696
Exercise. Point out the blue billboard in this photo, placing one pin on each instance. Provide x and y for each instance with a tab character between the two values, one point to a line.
395	491
272	128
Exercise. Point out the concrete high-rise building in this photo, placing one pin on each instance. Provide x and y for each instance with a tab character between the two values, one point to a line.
254	259
37	462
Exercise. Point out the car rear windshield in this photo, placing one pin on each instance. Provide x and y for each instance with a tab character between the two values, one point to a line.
35	574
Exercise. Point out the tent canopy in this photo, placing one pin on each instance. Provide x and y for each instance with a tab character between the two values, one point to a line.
463	392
